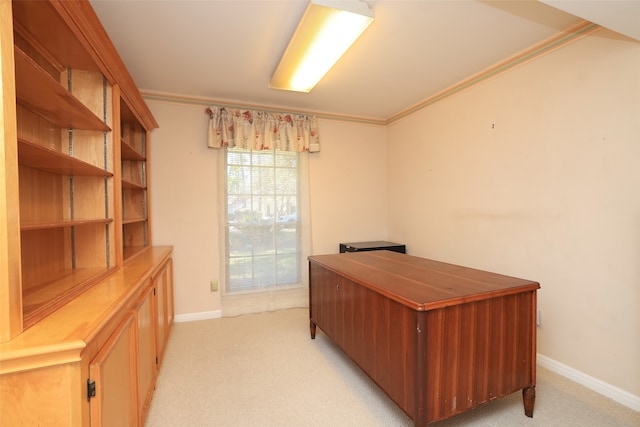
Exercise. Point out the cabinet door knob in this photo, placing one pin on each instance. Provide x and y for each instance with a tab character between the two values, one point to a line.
337	287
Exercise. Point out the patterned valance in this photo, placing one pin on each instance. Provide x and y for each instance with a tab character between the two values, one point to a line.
262	130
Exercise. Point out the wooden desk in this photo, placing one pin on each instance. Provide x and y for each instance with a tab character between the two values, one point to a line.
437	338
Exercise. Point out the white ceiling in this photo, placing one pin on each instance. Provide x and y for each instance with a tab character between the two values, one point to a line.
226	50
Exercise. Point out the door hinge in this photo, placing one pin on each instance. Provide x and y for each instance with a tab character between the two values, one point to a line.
156	360
91	389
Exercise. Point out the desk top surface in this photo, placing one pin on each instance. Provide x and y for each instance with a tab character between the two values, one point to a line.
420	283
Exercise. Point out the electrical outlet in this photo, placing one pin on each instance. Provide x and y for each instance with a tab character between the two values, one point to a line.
214	286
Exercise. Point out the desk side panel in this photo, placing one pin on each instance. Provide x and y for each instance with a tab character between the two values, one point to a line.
477	352
377	333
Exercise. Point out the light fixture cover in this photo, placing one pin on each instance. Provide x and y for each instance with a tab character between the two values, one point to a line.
325	32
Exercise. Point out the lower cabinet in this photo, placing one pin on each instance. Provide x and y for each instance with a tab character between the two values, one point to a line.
147	366
154	318
160	288
94	361
112	376
162	284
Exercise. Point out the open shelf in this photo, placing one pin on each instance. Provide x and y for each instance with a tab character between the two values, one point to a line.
41	225
134	235
132	185
75	126
130	153
41	93
49	296
60	259
66	178
39	157
126	221
130	251
134	179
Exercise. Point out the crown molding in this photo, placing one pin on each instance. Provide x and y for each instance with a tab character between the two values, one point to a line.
193	100
555	42
562	39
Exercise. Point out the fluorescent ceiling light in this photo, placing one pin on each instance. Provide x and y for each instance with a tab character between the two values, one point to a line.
325	32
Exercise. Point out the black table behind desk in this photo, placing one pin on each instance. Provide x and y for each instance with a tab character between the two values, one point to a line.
372	246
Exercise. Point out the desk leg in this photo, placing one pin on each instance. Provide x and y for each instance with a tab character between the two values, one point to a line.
529	399
312	329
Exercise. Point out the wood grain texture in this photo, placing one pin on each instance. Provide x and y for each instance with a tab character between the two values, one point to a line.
478	352
134	190
161	284
49	386
114	371
43	371
10	292
420	283
83	20
147	153
37	130
80	319
146	352
36	90
438	339
63	85
37	156
80	42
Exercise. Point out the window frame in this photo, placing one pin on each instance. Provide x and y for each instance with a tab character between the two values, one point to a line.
261	218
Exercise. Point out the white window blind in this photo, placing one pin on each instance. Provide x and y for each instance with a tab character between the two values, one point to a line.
263	248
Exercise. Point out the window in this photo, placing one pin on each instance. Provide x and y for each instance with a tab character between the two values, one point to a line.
263	249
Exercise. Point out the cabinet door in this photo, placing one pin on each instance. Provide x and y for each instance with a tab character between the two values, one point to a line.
170	308
145	317
162	328
114	372
324	300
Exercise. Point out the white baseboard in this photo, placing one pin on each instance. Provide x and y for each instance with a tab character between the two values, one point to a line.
192	317
612	392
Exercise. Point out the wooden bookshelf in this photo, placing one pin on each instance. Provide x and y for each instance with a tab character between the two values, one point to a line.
135	197
130	153
47	159
73	207
57	291
41	225
39	92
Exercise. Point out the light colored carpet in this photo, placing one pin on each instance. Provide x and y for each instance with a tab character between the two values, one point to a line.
264	370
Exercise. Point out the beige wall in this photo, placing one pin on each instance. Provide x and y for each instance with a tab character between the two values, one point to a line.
348	181
348	185
183	202
535	174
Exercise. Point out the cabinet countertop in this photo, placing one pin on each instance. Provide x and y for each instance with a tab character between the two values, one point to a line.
66	332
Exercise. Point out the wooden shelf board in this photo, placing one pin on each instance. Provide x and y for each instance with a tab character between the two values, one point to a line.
126	221
37	91
39	157
132	185
49	296
44	27
62	223
130	153
130	251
